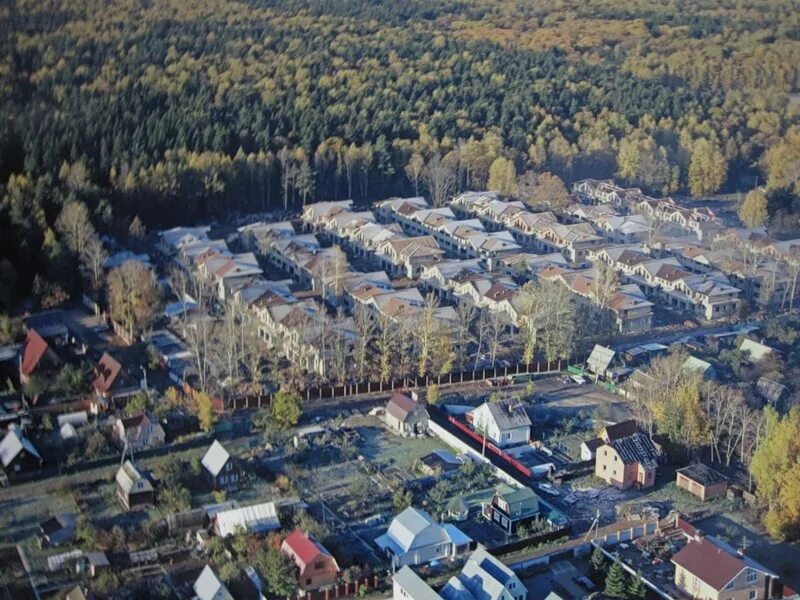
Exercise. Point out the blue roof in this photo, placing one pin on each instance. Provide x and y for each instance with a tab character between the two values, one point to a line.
457	537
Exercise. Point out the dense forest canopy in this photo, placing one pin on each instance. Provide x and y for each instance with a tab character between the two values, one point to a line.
172	111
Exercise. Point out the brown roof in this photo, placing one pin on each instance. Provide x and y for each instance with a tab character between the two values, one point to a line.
107	371
619	430
35	349
709	562
400	406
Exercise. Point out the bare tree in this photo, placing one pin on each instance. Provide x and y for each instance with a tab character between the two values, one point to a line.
92	259
134	296
385	345
605	284
365	334
466	314
75	225
414	170
439	177
426	327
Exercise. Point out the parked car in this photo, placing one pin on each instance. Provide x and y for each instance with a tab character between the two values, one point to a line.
548	488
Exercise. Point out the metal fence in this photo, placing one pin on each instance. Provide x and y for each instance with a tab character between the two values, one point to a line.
322	393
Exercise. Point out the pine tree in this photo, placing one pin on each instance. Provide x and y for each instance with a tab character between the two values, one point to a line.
636	588
615	581
598	561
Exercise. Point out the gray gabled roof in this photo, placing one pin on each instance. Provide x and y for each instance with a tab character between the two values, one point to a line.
215	458
209	587
485	576
508	414
600	359
415	528
413	585
128	475
13	443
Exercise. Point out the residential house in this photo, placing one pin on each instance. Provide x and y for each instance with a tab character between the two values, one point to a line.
359	288
512	508
525	265
208	586
487	578
627	304
771	391
17	454
600	361
57	530
112	383
406	416
141	430
396	208
317	215
627	460
504	423
256	236
408	256
37	357
710	569
693	364
317	568
256	518
414	538
441	277
756	351
702	481
439	463
407	585
175	239
134	490
483	577
222	471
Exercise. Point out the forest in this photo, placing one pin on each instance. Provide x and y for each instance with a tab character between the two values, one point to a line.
166	112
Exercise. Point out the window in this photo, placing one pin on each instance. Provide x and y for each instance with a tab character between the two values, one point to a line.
752	576
512	585
753	595
308	582
319	565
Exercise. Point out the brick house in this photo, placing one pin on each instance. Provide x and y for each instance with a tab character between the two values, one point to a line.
702	481
707	568
317	568
628	461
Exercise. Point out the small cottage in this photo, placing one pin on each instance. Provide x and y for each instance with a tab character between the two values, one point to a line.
133	489
405	416
221	469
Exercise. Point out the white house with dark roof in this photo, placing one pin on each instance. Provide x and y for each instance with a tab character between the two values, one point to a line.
414	538
505	423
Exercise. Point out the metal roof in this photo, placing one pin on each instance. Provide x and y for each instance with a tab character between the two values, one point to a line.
215	458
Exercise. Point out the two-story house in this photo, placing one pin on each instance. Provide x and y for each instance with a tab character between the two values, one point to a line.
222	471
504	423
317	568
512	508
710	569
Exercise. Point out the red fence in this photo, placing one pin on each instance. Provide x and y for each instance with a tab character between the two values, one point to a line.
491	447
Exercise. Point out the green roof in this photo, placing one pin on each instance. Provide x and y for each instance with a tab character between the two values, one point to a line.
521	501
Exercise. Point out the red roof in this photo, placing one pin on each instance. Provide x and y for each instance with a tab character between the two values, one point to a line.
305	550
107	371
302	547
709	563
35	349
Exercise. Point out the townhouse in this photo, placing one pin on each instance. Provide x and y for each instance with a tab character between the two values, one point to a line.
630	307
709	296
408	256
